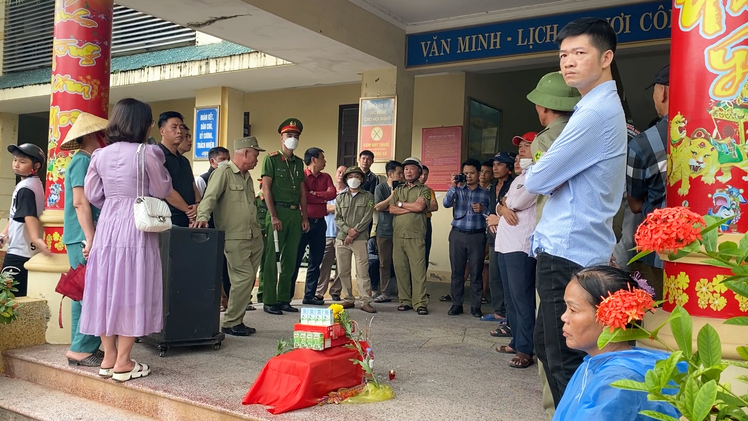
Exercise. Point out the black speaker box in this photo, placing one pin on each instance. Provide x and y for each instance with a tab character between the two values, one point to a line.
192	266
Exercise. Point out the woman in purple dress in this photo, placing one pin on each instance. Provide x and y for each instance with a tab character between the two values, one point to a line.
123	295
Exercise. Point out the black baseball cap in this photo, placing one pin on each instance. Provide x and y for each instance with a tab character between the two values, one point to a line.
662	77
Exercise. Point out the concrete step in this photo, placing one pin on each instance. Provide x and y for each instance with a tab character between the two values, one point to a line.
106	394
24	401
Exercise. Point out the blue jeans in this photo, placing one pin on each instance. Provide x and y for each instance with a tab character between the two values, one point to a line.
85	344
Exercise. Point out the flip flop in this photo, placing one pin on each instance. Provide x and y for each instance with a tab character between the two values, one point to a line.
491	317
382	299
445	298
404	308
422	311
106	372
140	370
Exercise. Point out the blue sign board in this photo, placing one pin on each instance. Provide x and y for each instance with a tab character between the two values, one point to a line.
206	131
634	23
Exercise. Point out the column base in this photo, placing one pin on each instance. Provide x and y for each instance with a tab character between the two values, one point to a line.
28	329
44	274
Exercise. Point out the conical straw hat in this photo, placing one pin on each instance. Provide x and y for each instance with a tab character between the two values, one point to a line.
85	124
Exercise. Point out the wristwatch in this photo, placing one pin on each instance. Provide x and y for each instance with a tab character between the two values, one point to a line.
399	204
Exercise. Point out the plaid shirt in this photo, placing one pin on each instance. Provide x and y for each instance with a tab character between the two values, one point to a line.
646	171
462	198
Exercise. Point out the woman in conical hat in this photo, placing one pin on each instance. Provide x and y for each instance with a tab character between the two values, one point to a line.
86	135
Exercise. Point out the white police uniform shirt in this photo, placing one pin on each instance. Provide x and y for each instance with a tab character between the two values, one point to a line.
27	200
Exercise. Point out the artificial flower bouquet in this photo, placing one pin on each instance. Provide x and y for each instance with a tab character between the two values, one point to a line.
696	392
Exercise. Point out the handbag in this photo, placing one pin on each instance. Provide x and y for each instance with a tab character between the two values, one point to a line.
151	214
71	285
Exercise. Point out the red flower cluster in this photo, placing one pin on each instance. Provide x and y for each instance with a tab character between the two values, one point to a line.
623	307
669	229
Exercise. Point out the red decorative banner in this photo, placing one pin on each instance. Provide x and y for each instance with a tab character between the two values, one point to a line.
708	155
80	83
699	290
440	151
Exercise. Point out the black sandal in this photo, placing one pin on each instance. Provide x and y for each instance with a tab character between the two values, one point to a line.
93	360
404	308
503	331
422	311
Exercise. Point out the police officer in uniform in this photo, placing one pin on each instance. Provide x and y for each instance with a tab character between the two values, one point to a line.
285	197
230	197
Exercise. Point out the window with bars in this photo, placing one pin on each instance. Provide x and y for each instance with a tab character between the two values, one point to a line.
29	29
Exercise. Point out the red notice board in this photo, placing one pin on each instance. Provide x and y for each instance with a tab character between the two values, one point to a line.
441	151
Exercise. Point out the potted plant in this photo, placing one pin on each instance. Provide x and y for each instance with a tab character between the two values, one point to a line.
688	380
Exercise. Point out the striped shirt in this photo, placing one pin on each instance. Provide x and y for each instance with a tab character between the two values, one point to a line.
584	172
515	238
646	172
462	198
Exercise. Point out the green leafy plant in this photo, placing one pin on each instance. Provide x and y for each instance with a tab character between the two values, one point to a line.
690	380
356	338
8	304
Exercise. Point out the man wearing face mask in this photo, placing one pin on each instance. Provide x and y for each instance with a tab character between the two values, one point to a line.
354	209
216	156
285	196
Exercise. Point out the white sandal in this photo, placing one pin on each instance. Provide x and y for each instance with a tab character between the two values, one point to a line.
140	370
106	372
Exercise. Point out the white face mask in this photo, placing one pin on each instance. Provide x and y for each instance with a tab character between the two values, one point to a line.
525	163
291	143
353	182
222	163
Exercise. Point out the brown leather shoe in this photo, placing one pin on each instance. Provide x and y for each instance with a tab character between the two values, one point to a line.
348	304
368	308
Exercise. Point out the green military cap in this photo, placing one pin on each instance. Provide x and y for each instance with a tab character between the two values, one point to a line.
553	92
291	125
354	169
247	142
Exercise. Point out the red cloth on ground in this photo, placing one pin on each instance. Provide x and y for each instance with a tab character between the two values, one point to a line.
300	378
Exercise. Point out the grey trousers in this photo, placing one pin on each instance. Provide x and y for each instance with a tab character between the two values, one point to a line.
466	249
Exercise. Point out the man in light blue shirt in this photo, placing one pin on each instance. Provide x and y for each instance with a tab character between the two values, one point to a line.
584	173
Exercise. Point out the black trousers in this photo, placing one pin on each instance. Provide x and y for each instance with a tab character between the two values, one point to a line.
467	249
13	264
518	274
429	232
225	280
315	239
559	361
495	283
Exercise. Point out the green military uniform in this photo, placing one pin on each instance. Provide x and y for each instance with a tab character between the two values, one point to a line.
409	244
354	212
553	93
540	145
288	177
230	197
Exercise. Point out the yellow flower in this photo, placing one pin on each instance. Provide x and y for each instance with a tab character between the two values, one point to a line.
718	302
681	299
717	284
682	281
704	301
704	289
743	301
56	236
336	309
670	289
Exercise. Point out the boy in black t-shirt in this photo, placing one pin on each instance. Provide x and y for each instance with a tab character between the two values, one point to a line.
24	233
